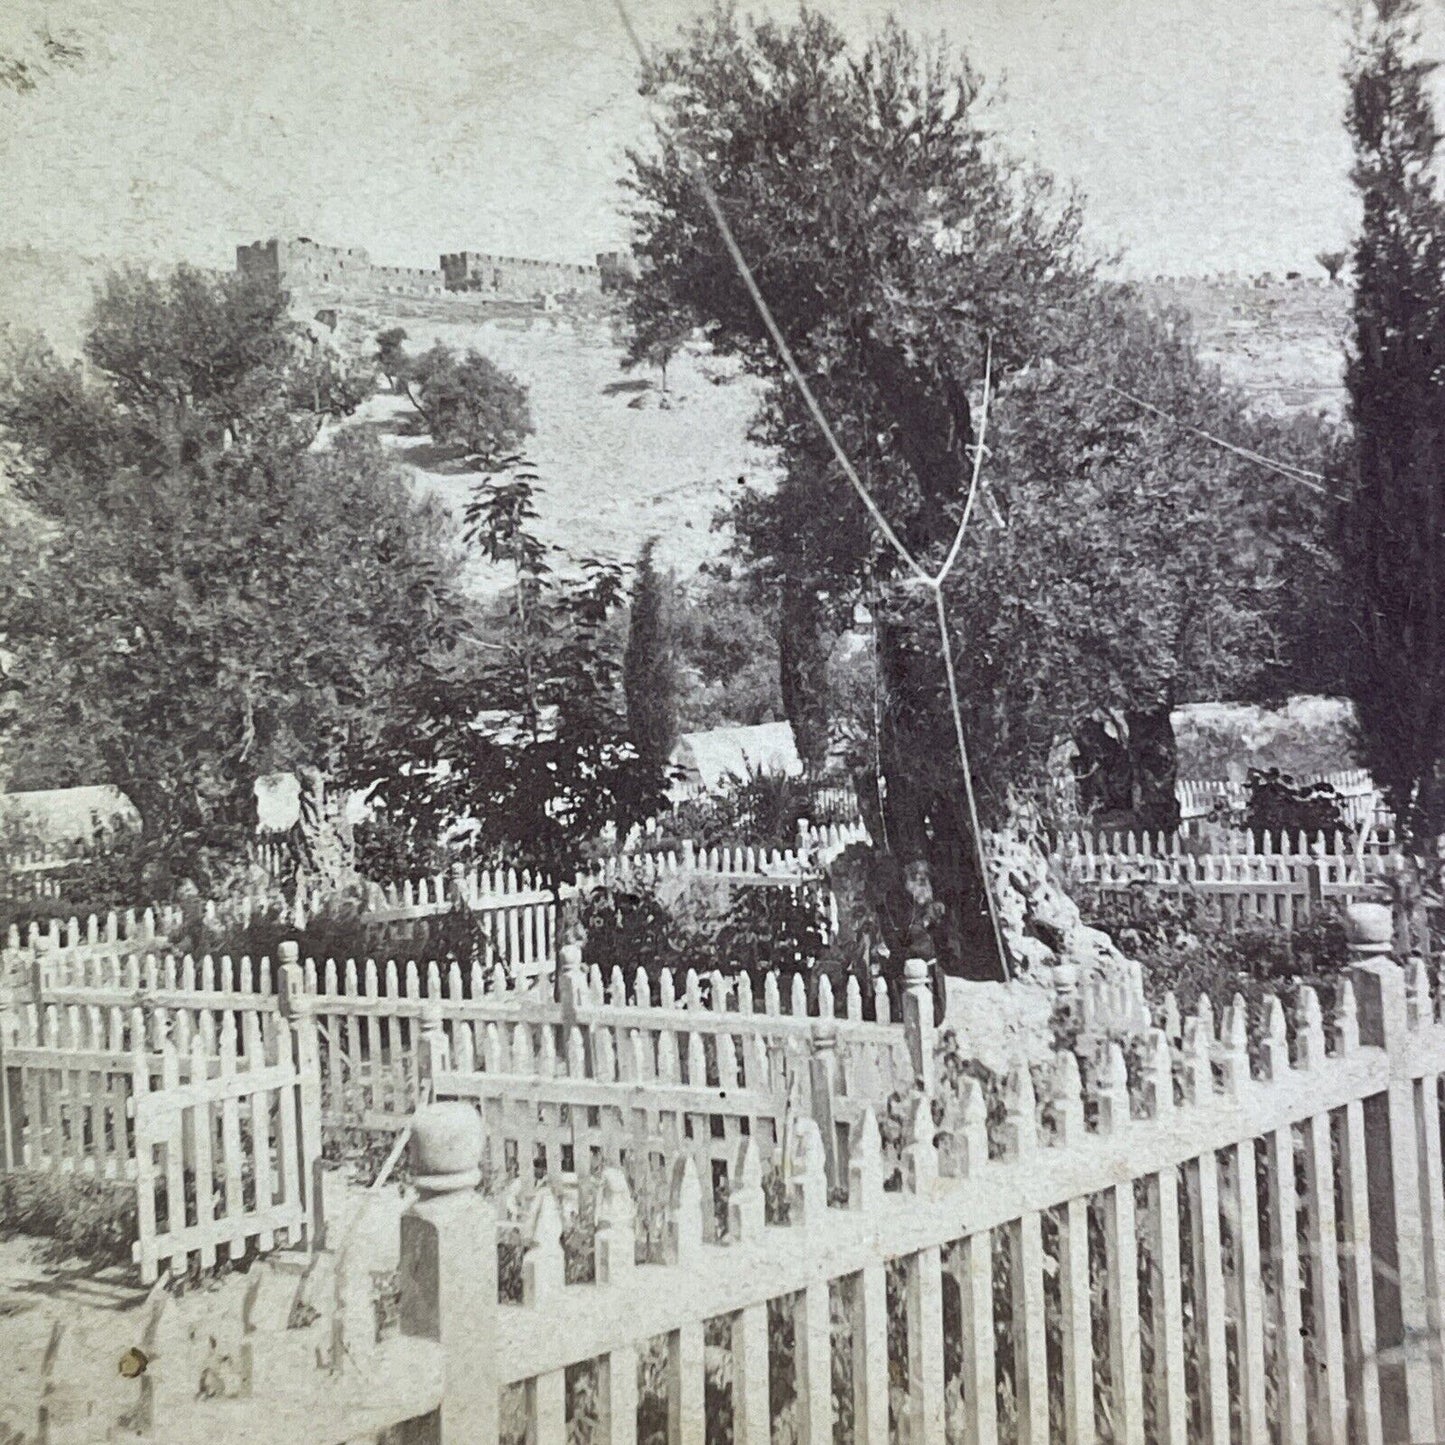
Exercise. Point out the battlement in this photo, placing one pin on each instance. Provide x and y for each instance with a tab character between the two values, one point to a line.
303	264
514	277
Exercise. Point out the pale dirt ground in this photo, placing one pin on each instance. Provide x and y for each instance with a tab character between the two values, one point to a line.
105	1312
619	459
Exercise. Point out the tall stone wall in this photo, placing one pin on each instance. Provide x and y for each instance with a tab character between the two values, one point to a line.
306	265
512	278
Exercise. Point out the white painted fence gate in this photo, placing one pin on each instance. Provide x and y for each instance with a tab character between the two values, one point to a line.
227	1145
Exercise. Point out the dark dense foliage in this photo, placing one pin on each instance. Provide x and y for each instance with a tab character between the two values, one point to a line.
1187	951
1115	561
649	665
1394	534
467	401
195	593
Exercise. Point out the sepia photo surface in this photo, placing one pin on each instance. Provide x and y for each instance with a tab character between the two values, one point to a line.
722	724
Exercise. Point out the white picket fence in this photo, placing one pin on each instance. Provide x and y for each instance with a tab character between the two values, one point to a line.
518	918
1219	1242
1198	797
1261	889
370	1019
233	1109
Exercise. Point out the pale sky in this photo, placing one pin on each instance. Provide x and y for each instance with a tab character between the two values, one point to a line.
1204	134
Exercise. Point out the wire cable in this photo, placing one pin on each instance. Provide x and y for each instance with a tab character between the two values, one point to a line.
920	573
1306	478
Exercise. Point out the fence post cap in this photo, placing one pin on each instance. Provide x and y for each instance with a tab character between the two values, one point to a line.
447	1143
915	972
571	957
825	1034
288	952
1369	929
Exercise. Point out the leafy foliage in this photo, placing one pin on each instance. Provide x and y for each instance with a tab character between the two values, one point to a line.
391	355
899	247
77	1216
468	401
196	595
1393	543
649	665
759	808
751	929
523	754
728	652
1278	804
1185	950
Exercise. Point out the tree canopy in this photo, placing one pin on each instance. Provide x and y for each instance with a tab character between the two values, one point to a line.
900	247
195	593
467	401
1394	534
522	754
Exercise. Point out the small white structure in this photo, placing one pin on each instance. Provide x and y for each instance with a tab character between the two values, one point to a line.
709	760
278	803
68	815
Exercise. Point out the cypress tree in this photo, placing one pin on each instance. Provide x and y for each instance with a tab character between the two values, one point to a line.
649	664
1392	542
803	671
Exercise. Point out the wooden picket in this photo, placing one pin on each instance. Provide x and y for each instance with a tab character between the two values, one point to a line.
232	1110
1198	1172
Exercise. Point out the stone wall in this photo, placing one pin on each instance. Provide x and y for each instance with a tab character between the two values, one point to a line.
305	263
513	278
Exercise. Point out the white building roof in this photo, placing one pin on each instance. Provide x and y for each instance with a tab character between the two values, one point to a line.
710	758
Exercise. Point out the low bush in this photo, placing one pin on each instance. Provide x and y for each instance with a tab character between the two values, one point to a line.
1278	804
74	1216
1184	950
742	929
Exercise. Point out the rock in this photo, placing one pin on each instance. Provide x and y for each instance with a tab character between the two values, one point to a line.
997	1024
1053	949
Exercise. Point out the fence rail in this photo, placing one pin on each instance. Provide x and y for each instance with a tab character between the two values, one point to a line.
517	917
215	1124
1223	1241
1270	889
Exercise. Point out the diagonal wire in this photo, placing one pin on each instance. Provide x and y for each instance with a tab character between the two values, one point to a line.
1306	478
919	572
978	452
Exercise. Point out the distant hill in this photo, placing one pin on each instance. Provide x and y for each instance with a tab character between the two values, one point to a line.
49	291
621	460
1282	341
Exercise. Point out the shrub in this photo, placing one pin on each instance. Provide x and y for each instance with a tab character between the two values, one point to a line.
1278	804
1186	951
761	809
77	1217
738	929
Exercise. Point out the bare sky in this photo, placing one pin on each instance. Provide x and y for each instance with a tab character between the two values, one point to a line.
1205	134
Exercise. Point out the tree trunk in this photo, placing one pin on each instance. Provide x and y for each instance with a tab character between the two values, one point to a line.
803	672
1127	772
925	810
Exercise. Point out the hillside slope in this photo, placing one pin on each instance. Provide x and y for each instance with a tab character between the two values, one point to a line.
620	459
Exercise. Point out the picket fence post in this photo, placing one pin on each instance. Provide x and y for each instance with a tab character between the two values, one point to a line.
298	1011
823	1079
433	1055
918	1022
448	1275
1392	1162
